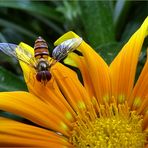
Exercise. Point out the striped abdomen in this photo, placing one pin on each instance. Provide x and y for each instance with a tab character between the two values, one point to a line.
41	48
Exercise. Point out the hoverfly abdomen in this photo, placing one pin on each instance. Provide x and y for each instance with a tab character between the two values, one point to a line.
41	49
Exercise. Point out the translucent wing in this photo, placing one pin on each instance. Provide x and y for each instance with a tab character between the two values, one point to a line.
62	50
18	52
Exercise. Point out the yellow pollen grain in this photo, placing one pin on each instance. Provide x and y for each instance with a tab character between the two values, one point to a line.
114	128
68	115
63	126
121	98
106	98
81	105
137	102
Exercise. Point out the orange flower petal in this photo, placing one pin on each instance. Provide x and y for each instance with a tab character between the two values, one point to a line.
71	87
53	96
140	93
97	69
32	108
145	121
14	133
123	67
79	62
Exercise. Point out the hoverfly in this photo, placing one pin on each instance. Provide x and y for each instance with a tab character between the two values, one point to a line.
40	60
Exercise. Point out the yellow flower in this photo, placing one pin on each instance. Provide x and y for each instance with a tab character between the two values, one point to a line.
108	110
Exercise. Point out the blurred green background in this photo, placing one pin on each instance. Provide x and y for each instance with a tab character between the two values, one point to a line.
105	25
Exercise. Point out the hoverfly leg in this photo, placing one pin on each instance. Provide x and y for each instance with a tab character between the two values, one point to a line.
51	62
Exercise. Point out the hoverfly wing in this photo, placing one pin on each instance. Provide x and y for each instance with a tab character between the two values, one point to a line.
62	50
22	54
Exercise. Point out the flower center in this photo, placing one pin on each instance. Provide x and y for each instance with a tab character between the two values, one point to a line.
112	127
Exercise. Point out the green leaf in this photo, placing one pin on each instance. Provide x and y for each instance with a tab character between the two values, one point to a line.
121	11
97	22
139	12
10	82
2	38
71	12
34	7
109	51
16	27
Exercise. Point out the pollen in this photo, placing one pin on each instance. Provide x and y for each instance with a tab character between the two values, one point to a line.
68	115
81	105
63	126
121	98
137	101
113	127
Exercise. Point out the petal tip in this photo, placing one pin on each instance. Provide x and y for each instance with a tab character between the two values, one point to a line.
66	36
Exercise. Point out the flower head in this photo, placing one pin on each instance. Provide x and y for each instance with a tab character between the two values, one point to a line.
107	110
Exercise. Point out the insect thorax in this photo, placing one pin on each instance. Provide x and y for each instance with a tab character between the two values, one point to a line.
42	65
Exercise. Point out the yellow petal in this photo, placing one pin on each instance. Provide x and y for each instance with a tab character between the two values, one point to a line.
138	99
16	134
53	96
123	67
29	106
71	87
79	62
97	70
66	36
27	48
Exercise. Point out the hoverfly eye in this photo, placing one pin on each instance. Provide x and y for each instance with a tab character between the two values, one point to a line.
43	76
48	75
39	76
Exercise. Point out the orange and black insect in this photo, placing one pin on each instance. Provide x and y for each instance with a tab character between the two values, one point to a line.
40	60
41	54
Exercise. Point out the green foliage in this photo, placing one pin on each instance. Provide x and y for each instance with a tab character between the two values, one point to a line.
10	82
109	50
105	25
95	15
